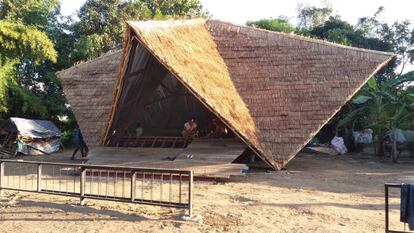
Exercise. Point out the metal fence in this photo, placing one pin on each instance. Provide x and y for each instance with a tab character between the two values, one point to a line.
161	187
387	209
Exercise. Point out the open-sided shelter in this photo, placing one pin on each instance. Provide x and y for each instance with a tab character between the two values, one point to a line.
273	90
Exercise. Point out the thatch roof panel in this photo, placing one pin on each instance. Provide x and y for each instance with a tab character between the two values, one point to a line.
187	49
275	90
291	85
89	89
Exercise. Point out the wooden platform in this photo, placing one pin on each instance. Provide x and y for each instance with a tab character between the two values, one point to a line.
207	158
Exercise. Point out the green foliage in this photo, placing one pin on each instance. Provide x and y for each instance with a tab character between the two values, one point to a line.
386	102
174	8
28	12
5	72
397	37
101	24
401	37
24	43
383	107
36	41
277	25
20	41
311	16
12	94
363	35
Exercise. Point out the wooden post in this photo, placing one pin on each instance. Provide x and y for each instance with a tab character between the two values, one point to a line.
82	186
39	178
190	194
386	210
1	177
133	185
394	152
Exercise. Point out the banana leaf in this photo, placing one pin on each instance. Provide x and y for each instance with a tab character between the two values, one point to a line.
352	116
372	83
361	99
407	77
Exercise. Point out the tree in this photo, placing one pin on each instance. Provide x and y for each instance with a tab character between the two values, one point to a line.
101	23
311	16
278	25
386	101
161	9
19	42
29	12
399	36
339	31
383	107
36	42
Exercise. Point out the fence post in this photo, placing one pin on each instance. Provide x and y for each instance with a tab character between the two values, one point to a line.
1	177
190	194
133	185
82	186
386	209
39	178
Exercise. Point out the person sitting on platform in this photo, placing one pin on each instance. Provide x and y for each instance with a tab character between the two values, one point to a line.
219	129
190	129
138	131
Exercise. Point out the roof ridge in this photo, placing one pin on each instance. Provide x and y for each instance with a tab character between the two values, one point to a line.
308	39
109	53
144	25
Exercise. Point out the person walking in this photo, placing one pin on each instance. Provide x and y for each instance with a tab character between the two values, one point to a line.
80	144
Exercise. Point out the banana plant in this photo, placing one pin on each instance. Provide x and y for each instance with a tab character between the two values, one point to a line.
383	107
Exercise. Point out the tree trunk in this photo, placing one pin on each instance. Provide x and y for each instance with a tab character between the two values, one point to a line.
394	153
380	145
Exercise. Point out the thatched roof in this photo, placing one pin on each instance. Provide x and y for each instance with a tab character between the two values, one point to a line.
274	90
89	87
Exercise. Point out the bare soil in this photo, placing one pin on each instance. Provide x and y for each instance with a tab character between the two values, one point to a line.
318	193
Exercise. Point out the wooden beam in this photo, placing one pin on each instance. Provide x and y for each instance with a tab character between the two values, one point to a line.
152	76
135	73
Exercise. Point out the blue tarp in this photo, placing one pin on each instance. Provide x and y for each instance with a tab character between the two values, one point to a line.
35	129
36	137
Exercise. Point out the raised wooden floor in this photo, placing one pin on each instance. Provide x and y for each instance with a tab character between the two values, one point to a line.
206	157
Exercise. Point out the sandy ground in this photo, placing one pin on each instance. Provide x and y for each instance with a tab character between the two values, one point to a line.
318	193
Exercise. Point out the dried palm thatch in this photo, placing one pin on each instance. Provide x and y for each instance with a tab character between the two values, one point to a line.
274	90
89	87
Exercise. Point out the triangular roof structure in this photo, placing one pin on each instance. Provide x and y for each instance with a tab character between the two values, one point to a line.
88	87
274	90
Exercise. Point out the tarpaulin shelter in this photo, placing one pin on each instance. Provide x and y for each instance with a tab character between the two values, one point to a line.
34	137
273	90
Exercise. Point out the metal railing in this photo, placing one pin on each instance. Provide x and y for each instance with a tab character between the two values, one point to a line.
150	186
157	142
387	208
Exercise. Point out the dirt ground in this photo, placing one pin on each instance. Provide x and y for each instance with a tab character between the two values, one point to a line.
318	193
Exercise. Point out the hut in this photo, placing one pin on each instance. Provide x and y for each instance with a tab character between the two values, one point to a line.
272	91
33	137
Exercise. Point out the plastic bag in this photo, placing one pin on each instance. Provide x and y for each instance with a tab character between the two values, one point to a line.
363	136
339	145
